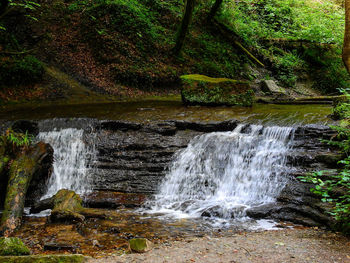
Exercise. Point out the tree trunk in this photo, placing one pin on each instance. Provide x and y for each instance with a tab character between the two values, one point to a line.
346	46
214	9
181	35
21	172
4	159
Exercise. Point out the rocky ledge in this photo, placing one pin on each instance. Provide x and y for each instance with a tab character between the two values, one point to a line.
133	158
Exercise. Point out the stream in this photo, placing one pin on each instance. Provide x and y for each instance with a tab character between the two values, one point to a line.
167	171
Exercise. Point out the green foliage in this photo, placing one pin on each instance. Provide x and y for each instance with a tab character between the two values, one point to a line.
293	19
130	17
19	139
286	66
326	186
27	5
257	21
342	111
21	71
12	246
215	56
327	69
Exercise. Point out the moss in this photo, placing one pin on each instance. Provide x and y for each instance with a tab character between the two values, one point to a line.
45	259
67	205
140	245
12	246
203	78
203	90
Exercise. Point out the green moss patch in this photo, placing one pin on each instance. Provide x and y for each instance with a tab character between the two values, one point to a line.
204	90
45	259
140	245
12	246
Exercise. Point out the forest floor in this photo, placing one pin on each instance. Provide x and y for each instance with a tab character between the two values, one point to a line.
303	245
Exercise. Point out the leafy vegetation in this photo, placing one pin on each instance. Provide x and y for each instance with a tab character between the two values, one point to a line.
19	139
120	45
17	71
203	90
335	189
27	5
315	27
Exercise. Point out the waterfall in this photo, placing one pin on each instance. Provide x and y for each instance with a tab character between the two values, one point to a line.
72	160
221	174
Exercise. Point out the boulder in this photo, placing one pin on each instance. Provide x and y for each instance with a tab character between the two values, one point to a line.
140	245
270	86
67	206
203	90
13	246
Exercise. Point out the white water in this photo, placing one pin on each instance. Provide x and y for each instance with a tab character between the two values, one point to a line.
224	173
72	161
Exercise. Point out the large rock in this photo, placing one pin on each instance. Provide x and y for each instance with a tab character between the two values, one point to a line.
203	90
13	246
270	86
140	245
67	206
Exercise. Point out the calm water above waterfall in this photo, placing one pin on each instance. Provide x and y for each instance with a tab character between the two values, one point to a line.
223	173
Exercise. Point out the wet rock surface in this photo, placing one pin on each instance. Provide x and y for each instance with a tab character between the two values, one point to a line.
133	158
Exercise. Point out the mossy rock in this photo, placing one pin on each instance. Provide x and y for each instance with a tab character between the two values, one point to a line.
140	245
67	205
12	246
203	90
45	259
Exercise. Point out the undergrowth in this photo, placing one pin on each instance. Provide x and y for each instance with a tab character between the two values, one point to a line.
318	26
335	189
16	71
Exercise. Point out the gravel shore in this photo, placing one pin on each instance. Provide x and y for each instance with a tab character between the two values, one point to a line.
304	245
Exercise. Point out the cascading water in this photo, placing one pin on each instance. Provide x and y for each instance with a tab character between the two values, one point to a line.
222	174
72	160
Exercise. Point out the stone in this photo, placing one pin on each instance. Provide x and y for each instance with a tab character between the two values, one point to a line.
52	246
270	86
13	246
111	199
67	207
203	90
140	245
45	259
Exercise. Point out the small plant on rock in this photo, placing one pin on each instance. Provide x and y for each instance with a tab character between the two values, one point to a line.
19	139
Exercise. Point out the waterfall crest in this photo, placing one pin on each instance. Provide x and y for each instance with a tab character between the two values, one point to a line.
72	160
221	174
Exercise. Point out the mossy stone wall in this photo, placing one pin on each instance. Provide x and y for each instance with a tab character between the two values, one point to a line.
203	90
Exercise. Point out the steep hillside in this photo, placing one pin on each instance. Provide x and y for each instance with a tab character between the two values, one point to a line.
123	47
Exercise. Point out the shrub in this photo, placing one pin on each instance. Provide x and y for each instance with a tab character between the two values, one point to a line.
340	181
27	70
